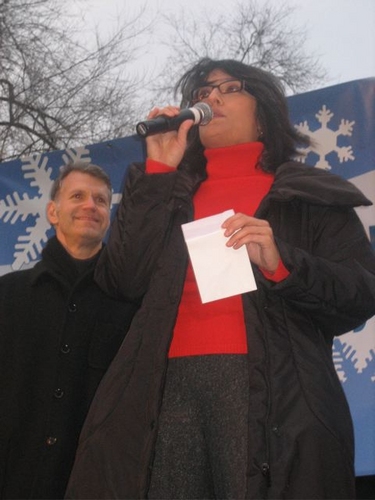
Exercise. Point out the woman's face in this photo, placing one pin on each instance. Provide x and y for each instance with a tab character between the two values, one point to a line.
234	120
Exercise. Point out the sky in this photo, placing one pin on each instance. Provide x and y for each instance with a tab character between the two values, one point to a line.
340	32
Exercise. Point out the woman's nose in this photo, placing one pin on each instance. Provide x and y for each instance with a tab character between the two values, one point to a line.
215	97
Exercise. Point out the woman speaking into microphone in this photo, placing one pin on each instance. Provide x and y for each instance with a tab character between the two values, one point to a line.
237	397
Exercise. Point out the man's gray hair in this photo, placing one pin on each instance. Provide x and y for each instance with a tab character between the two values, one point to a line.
85	168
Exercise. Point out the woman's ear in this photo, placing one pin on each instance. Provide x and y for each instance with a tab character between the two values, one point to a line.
260	132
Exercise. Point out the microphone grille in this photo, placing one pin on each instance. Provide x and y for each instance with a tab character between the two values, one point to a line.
205	112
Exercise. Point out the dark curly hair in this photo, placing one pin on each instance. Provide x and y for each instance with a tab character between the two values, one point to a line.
279	136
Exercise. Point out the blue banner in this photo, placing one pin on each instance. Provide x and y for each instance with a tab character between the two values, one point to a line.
341	121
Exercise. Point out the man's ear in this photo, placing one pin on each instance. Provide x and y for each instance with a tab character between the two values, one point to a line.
52	213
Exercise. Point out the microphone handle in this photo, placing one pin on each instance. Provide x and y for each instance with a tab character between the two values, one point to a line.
166	124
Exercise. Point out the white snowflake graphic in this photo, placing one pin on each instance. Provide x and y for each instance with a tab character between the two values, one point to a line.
355	350
324	140
15	207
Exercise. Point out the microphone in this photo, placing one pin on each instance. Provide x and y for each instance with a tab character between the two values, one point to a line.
201	113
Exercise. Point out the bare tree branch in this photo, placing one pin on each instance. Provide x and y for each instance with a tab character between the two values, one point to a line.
255	33
56	90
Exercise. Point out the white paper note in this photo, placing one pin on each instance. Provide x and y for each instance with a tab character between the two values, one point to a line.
220	271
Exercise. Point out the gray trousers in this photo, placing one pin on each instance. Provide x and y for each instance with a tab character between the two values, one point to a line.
201	448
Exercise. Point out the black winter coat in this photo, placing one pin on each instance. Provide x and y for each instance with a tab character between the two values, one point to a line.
58	334
300	429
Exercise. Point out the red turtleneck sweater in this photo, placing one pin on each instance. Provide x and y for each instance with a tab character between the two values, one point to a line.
233	182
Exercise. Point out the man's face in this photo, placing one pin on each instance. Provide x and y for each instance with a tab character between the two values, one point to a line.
80	213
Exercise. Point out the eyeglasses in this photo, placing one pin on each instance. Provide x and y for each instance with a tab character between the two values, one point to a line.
227	87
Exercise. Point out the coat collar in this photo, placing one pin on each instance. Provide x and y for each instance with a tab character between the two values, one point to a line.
315	186
56	262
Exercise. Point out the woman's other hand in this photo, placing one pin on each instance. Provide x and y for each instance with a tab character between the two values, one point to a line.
257	235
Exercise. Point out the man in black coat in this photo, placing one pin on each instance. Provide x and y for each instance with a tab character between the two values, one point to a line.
58	335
